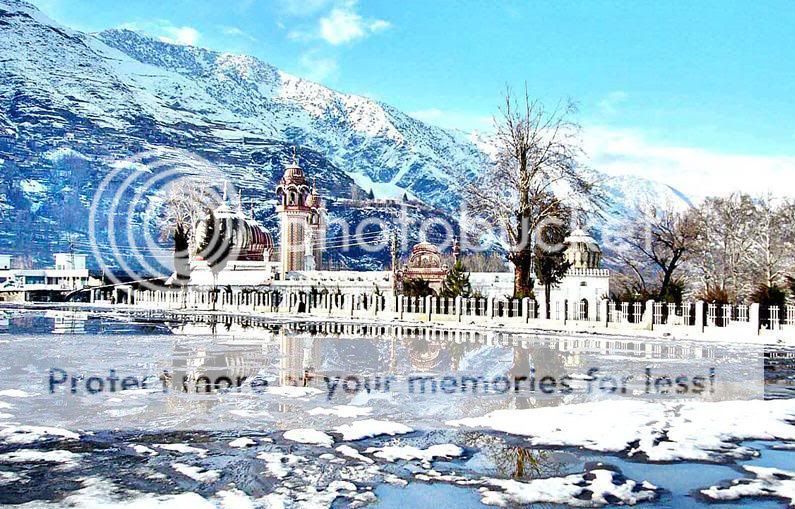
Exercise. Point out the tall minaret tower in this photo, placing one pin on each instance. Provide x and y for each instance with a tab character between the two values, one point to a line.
317	225
294	212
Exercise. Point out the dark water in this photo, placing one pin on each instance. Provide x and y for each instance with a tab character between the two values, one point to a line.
122	452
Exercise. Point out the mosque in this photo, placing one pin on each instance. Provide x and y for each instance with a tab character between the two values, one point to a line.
297	263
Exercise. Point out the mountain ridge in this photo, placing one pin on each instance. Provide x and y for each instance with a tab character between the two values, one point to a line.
115	93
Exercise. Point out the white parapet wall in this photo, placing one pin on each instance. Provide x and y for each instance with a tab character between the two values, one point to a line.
649	318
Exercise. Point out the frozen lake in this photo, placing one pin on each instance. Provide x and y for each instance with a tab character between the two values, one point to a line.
108	410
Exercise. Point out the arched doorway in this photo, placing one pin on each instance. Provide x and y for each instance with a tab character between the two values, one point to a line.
583	309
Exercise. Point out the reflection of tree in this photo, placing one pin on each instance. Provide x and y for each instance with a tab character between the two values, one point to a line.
512	460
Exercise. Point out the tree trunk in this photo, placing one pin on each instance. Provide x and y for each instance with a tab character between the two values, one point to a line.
548	300
522	282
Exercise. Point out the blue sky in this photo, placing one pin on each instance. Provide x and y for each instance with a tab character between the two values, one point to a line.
692	84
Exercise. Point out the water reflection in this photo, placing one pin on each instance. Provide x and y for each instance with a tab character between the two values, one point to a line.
228	371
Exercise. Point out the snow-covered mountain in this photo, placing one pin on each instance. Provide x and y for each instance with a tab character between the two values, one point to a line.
71	103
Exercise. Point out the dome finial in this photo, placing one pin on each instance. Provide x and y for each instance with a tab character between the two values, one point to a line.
295	156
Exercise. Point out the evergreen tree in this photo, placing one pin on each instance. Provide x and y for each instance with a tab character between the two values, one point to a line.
456	284
769	296
551	266
215	247
417	288
371	195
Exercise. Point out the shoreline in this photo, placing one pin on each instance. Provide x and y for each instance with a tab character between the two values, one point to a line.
511	328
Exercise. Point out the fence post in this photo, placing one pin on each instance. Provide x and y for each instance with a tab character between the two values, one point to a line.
700	315
526	309
648	316
430	302
604	312
755	318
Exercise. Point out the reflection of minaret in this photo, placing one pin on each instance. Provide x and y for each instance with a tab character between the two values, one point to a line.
291	362
297	355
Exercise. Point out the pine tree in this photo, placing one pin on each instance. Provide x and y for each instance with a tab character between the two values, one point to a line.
371	195
551	266
456	284
417	288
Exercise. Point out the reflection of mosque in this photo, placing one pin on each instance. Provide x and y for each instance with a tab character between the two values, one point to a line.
302	353
197	367
64	322
5	322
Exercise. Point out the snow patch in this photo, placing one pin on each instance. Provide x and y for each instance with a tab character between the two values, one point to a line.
350	452
142	449
183	449
32	434
279	464
342	411
242	443
196	473
664	431
309	436
408	452
769	482
66	458
603	486
367	428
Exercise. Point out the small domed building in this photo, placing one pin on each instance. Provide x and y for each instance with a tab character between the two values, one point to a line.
585	284
425	262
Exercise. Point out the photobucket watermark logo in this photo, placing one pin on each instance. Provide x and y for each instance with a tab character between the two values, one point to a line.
158	213
144	214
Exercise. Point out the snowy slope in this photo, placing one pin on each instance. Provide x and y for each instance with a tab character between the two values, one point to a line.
71	102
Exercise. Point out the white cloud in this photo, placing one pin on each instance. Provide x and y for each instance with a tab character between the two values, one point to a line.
165	31
610	103
237	32
344	25
697	172
301	8
318	68
181	35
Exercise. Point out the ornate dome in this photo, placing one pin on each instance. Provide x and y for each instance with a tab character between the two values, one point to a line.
582	251
425	255
247	240
294	175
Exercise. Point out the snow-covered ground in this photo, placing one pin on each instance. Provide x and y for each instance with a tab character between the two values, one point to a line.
281	440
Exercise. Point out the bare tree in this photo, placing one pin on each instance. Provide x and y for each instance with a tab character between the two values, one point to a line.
744	243
660	241
726	227
538	152
772	251
187	201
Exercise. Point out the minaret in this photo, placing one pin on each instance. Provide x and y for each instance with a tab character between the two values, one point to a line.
294	212
317	224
